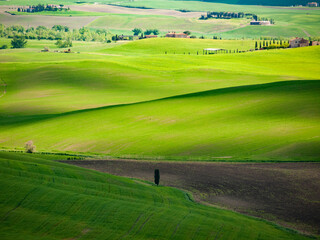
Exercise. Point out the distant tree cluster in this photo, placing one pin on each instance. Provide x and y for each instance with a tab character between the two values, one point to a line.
230	15
151	31
223	15
57	32
137	31
42	8
271	44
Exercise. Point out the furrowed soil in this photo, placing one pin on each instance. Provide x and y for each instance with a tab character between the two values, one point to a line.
285	193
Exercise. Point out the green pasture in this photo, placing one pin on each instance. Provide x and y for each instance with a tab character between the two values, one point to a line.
60	13
166	23
43	199
277	121
290	22
34	46
121	99
179	46
65	2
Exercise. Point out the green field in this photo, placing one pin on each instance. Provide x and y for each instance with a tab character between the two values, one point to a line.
289	21
166	23
59	13
159	99
43	199
140	100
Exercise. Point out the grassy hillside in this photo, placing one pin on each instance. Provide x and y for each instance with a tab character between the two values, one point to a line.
289	22
166	23
59	13
178	46
40	83
42	199
45	92
278	121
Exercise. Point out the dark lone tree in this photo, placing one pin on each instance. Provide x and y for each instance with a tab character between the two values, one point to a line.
156	176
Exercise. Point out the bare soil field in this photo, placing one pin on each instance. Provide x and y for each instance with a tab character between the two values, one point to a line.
126	10
285	193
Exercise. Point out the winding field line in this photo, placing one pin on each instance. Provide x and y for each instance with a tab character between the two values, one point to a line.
2	83
308	35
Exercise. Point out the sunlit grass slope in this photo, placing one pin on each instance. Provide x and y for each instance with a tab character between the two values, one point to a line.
45	92
42	199
40	83
180	46
276	121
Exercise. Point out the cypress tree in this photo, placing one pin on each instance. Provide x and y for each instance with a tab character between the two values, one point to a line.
156	176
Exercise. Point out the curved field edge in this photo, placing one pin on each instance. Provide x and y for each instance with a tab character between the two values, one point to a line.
43	199
273	122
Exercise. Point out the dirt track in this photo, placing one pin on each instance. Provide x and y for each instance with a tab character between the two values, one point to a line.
286	193
125	10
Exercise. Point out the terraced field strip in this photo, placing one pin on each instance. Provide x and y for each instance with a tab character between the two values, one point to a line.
43	199
286	193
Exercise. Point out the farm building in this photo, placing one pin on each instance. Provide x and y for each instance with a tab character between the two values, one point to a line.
315	43
264	23
151	36
298	42
177	35
313	4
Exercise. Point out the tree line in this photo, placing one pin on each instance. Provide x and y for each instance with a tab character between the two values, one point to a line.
271	44
137	31
42	8
57	32
230	15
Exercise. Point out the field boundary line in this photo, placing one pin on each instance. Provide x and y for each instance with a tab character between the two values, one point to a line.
3	83
19	204
132	227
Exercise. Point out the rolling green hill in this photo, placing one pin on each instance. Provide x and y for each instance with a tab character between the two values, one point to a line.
278	121
121	100
43	199
166	23
289	21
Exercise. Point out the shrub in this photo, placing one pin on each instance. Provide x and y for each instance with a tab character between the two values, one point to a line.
30	148
18	42
4	46
63	44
